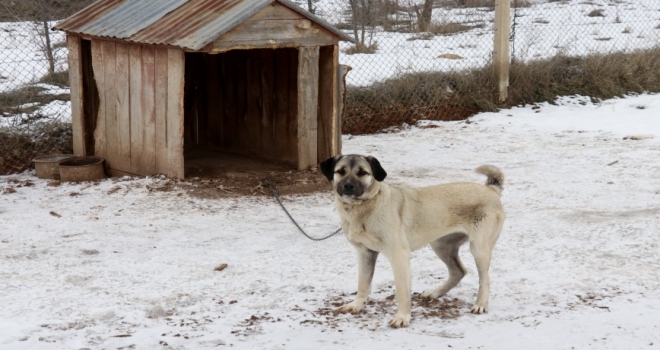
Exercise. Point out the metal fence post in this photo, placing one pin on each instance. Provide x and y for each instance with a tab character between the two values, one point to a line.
501	60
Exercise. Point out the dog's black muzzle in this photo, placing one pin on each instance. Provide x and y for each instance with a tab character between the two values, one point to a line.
348	189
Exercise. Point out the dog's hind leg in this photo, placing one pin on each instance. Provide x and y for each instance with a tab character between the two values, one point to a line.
482	253
446	248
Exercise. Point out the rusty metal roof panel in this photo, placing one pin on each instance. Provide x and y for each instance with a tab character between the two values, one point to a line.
130	17
199	22
86	15
190	24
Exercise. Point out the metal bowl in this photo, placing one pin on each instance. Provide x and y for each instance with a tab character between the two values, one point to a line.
47	167
86	168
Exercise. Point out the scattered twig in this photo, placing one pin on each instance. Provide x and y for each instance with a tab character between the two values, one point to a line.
55	214
224	189
220	267
614	162
113	190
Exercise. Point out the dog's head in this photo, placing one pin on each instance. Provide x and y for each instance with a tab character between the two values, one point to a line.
354	177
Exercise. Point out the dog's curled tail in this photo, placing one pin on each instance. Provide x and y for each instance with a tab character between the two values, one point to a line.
495	177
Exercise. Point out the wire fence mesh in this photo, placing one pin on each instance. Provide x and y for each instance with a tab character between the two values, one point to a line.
414	60
34	95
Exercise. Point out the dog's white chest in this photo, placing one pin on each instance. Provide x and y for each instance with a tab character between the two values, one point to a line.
358	231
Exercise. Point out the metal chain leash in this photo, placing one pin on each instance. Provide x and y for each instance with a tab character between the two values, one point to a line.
273	192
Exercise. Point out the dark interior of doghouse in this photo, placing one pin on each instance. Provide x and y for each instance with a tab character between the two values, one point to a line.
240	111
91	94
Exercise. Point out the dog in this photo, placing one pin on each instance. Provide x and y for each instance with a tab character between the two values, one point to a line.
396	220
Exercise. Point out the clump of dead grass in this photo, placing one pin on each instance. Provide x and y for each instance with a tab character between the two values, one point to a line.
481	3
18	148
457	95
60	79
362	48
599	75
449	28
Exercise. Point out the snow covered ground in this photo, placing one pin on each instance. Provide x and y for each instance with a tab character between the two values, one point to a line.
115	266
21	59
541	31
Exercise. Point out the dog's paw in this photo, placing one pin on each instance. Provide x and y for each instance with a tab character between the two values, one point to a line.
479	309
400	321
431	294
353	307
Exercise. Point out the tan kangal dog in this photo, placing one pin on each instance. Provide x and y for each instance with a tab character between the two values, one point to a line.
395	220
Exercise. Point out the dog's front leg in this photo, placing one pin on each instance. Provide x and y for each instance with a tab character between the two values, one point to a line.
366	266
400	261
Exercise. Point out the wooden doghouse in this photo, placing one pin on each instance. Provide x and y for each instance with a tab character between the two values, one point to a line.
152	77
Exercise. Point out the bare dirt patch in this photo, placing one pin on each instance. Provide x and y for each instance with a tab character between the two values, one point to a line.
214	175
378	308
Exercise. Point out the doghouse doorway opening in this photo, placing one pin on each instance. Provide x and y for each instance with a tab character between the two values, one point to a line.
240	110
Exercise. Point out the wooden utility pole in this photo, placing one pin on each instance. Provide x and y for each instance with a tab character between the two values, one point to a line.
501	59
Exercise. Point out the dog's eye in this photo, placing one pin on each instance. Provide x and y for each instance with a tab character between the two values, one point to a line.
341	172
361	173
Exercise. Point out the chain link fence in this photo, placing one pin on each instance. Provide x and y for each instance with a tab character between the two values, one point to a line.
432	59
414	60
35	113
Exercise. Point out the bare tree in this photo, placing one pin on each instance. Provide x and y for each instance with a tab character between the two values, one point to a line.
364	19
424	21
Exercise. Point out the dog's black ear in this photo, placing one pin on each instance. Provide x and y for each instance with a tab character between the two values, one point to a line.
379	172
328	167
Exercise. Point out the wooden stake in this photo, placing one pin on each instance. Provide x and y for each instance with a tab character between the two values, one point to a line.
501	59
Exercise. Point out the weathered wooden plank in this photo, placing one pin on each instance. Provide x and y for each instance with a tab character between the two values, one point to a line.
148	103
270	44
253	101
77	94
328	61
161	60
240	82
213	100
122	90
229	74
175	76
111	123
281	101
274	34
98	66
137	126
201	104
267	113
275	11
292	120
501	59
341	100
308	93
189	106
336	116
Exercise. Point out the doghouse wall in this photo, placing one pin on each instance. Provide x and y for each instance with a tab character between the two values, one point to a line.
132	108
243	101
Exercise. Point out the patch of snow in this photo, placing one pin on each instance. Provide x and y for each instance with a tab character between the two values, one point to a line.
576	265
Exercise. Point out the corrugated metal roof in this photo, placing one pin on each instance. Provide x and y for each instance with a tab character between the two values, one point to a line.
199	22
189	24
